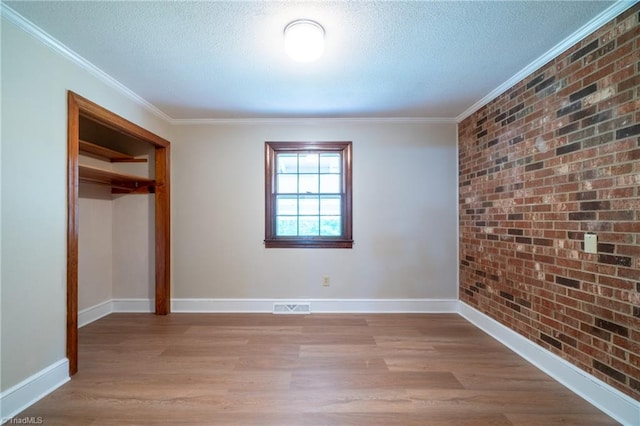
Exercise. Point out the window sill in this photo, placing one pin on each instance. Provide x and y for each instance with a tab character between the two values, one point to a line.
308	243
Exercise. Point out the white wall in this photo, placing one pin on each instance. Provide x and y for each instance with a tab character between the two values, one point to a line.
116	256
404	209
116	240
404	212
134	238
95	246
35	81
133	247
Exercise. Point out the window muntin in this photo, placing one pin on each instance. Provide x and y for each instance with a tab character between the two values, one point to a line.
308	194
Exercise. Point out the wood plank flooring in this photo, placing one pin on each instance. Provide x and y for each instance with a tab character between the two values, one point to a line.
263	369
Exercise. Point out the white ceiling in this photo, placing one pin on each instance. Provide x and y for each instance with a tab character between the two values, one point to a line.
215	59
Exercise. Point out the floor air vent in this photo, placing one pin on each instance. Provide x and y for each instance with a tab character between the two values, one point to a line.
291	308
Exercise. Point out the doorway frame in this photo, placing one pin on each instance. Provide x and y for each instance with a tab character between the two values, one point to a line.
78	106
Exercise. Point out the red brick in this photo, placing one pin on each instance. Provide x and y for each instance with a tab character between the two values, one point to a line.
616	193
615	55
539	207
627	226
580	316
581	275
628	250
616	282
592	78
569	263
633	274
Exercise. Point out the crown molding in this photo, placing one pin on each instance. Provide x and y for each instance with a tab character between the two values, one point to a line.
49	41
311	120
608	14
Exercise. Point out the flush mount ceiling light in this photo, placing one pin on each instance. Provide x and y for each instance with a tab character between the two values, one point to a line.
304	40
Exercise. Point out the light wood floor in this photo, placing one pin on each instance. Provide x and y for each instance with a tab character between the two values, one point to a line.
263	369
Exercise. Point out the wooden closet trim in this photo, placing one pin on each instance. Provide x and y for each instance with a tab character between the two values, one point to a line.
78	106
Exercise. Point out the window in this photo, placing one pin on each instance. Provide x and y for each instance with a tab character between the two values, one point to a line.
308	194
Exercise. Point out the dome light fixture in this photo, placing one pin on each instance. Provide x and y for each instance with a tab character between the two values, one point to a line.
304	40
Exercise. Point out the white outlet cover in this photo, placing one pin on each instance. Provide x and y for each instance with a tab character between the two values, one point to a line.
590	243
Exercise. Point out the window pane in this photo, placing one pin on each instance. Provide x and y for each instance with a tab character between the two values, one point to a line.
308	163
287	184
330	205
309	225
330	226
308	202
287	163
330	184
286	205
286	226
330	163
309	205
309	184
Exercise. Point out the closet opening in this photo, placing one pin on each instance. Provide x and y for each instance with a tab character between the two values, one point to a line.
113	159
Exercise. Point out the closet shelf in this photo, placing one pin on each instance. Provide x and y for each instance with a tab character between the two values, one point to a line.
108	154
119	182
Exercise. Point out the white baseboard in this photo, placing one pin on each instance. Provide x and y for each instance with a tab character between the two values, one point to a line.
26	393
87	316
133	305
94	313
318	305
614	403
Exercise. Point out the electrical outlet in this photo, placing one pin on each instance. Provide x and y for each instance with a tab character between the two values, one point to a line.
326	281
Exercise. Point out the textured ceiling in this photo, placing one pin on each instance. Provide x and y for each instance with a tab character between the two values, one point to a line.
382	59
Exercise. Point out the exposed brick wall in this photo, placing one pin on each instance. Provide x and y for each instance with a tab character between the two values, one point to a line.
556	156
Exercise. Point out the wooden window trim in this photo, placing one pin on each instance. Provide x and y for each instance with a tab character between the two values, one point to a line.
273	241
